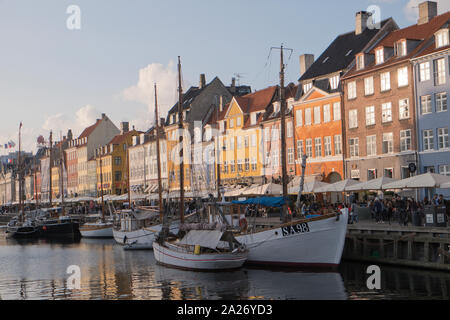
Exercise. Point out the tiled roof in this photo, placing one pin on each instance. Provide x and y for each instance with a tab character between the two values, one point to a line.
340	53
86	132
422	33
121	137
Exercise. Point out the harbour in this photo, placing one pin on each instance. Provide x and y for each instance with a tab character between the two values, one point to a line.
36	270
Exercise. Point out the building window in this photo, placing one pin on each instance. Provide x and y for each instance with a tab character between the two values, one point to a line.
318	147
428	140
299	149
385	81
444	169
351	88
441	38
118	175
353	118
439	71
298	118
316	115
308	116
388	142
326	113
370	116
386	112
238	121
232	143
368	86
337	111
289	131
379	56
403	108
389	172
424	68
253	164
290	156
406	173
334	82
275	159
360	62
239	142
443	138
274	133
253	140
371	145
337	144
405	140
239	162
425	104
402	77
267	134
400	47
231	123
247	164
441	102
371	174
309	148
327	146
307	86
354	147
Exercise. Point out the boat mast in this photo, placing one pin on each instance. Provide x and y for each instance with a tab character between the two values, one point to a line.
19	171
101	186
35	182
158	158
180	132
128	175
50	169
61	174
217	142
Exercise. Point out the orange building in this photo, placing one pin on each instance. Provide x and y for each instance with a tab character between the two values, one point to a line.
318	133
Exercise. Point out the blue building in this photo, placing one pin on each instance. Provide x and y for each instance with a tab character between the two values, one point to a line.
432	88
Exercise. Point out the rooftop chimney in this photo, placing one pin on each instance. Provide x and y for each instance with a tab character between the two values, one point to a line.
202	82
221	104
361	21
233	85
124	127
427	11
69	134
103	116
306	60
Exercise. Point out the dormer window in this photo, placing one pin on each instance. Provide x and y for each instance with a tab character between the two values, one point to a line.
276	107
334	82
401	48
441	38
360	62
379	56
307	86
253	118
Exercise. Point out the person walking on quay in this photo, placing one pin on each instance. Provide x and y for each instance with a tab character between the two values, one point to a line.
354	212
435	200
378	209
389	209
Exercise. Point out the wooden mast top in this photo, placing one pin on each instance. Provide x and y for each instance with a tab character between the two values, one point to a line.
158	158
180	132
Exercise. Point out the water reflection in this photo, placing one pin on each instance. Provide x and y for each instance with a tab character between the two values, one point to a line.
37	270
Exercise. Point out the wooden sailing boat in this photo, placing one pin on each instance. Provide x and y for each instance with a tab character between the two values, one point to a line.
204	249
307	242
100	228
138	228
62	225
20	226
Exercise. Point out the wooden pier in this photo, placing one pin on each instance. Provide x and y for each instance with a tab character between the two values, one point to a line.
420	247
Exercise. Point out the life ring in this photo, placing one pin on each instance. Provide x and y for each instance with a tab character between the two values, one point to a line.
243	224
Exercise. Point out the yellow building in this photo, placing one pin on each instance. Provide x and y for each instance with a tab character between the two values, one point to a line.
241	150
112	163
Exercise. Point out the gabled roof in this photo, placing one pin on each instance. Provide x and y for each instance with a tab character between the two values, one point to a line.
341	52
421	33
121	137
87	132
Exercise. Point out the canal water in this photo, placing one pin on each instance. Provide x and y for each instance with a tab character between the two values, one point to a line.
38	270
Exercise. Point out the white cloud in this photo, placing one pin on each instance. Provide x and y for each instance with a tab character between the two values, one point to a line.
59	123
412	8
166	79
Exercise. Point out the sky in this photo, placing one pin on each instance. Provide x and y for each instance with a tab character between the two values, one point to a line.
54	78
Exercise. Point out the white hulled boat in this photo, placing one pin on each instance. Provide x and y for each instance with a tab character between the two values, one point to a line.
201	250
